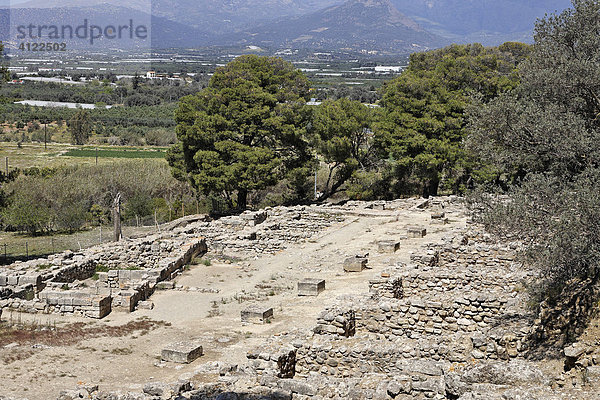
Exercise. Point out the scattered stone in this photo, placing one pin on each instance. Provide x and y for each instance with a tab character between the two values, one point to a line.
145	305
167	285
438	215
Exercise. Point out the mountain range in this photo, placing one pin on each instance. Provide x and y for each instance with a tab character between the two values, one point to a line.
387	26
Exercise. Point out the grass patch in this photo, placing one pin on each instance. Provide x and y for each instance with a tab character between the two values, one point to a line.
116	153
101	268
70	334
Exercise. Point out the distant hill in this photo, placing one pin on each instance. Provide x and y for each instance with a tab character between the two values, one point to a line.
488	21
211	16
394	26
357	24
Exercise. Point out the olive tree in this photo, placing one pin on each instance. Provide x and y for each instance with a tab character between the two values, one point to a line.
544	136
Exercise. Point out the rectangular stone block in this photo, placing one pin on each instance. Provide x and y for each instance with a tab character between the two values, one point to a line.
125	301
13	280
97	313
416	232
3	280
35	280
257	314
388	246
181	352
102	301
438	215
166	285
82	301
311	287
137	275
124	275
355	264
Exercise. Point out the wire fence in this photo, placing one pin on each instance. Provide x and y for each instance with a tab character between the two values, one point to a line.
17	247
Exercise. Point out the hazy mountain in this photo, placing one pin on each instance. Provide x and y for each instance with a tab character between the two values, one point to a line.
212	16
488	21
356	24
387	25
161	32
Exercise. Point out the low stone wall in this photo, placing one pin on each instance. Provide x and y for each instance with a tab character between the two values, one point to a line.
86	304
337	321
415	317
121	289
279	362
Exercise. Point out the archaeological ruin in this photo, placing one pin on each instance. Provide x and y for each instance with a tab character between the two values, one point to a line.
407	299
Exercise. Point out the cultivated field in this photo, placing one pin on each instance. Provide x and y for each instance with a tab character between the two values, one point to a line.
29	155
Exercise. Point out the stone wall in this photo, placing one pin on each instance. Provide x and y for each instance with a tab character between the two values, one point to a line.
84	303
147	261
136	265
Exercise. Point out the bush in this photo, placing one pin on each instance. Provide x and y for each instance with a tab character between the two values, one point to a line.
160	137
542	138
69	198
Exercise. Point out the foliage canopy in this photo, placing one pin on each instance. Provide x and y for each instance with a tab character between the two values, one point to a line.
422	125
245	131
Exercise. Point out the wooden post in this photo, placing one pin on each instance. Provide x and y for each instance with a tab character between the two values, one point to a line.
117	217
45	135
316	171
156	221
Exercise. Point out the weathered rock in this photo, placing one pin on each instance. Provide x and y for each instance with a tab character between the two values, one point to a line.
297	387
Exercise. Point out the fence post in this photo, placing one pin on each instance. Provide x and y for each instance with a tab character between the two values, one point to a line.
26	249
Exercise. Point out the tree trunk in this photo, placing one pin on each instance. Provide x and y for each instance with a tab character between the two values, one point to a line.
431	188
242	199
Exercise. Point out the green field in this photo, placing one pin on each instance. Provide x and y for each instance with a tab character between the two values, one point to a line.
57	154
115	153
